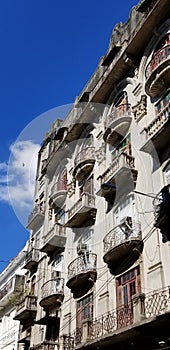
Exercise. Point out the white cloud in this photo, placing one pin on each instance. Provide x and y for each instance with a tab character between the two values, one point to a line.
17	177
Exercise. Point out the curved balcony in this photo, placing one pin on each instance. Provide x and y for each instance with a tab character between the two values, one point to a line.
82	274
52	293
158	72
117	124
26	309
36	217
54	240
32	259
84	163
59	192
122	246
83	212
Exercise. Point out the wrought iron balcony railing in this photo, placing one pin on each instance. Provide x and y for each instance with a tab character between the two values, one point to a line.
36	217
52	292
123	246
54	286
82	264
120	234
151	305
82	274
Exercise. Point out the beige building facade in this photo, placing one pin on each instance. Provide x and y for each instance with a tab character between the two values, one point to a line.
98	259
12	281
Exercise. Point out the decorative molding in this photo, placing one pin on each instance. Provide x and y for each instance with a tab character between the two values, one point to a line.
71	188
140	109
101	153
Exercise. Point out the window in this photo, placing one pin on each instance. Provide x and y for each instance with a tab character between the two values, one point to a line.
87	187
84	310
62	181
59	216
124	146
127	285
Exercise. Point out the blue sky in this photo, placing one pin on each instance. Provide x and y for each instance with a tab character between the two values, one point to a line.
49	50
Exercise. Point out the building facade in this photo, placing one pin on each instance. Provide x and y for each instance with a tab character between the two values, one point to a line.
12	282
98	259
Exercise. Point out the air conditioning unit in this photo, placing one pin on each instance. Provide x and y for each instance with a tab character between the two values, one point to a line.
81	248
126	223
55	274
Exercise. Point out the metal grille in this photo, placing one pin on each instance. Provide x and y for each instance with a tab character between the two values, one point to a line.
84	263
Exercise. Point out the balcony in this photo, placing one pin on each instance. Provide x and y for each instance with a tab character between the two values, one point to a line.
119	173
161	205
122	246
158	130
54	240
26	309
84	163
52	293
83	212
82	274
158	72
144	314
117	124
32	259
59	193
36	217
10	289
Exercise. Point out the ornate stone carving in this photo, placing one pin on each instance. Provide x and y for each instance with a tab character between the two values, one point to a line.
101	153
71	188
140	109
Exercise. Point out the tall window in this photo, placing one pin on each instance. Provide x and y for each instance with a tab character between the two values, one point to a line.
84	310
62	180
126	286
87	186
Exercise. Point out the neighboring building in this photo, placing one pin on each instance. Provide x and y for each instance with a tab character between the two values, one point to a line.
12	284
98	260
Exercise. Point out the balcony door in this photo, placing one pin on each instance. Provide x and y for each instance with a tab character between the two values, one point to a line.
127	285
84	311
